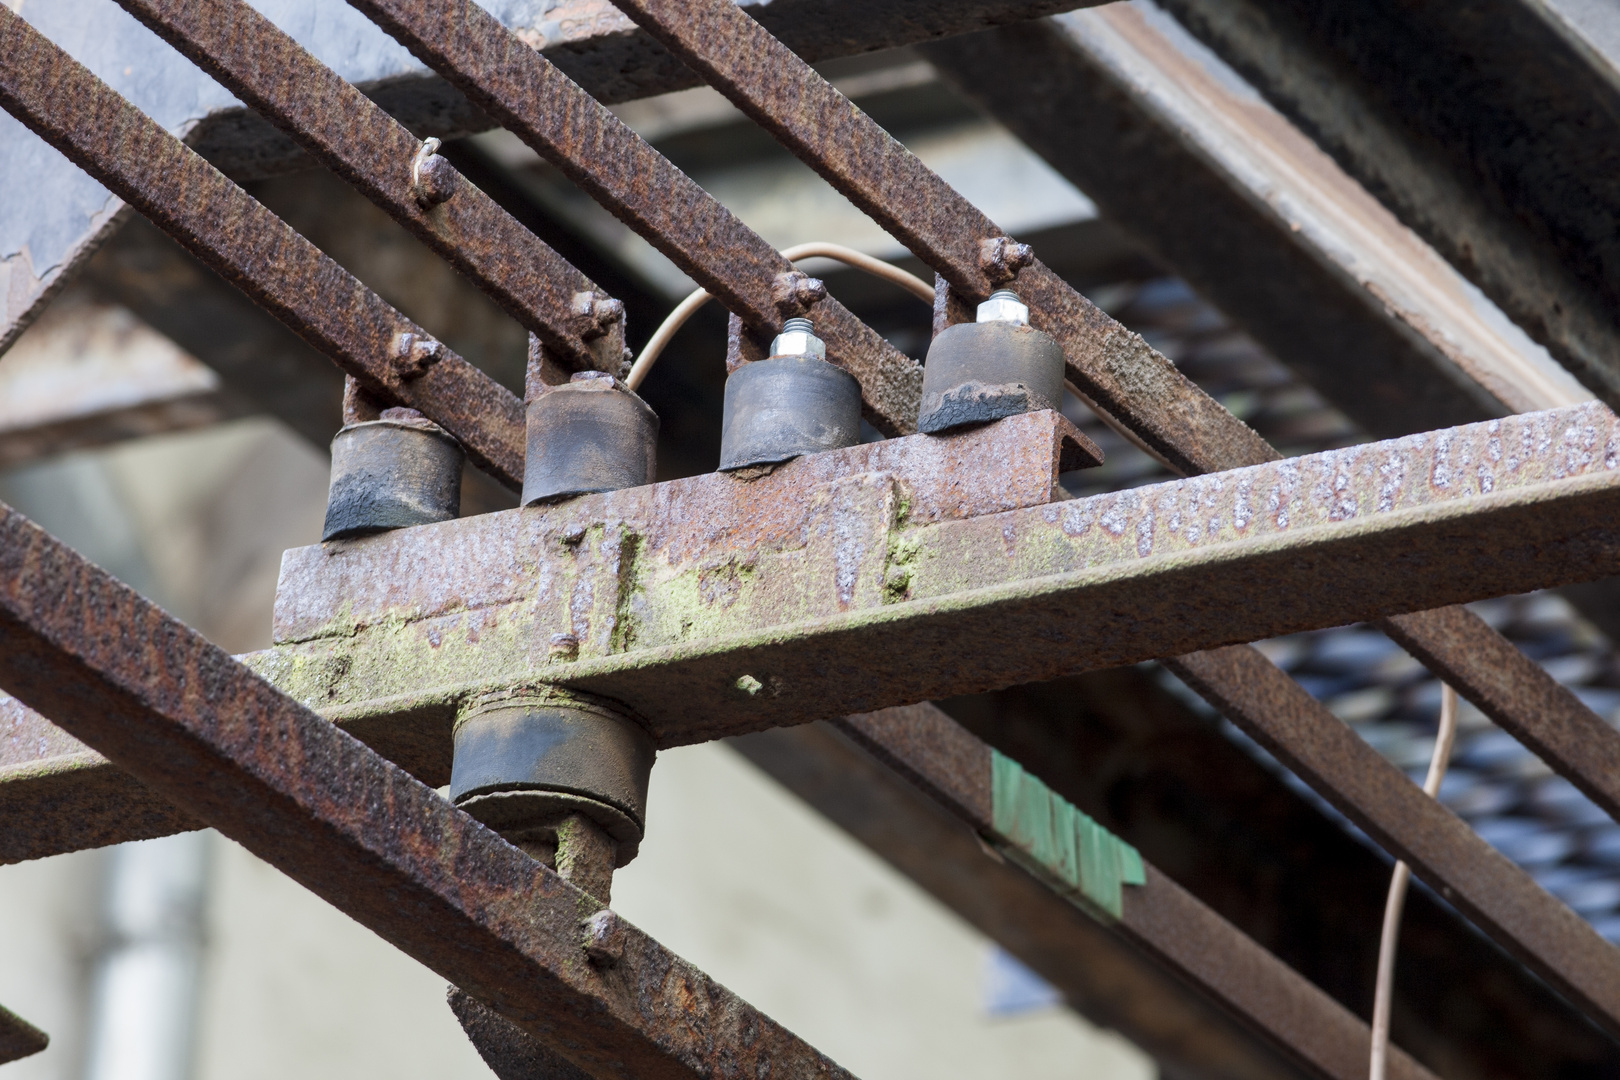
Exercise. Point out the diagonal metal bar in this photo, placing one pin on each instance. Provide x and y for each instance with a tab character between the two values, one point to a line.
1114	367
350	134
1169	924
195	726
1490	890
249	246
19	1038
524	92
808	115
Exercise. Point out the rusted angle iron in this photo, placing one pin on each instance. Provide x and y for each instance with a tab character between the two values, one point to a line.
197	727
350	134
781	92
527	94
250	247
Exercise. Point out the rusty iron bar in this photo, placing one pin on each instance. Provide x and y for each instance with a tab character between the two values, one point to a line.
527	94
1174	418
1114	368
224	227
351	135
1172	926
787	583
1483	884
19	1038
197	727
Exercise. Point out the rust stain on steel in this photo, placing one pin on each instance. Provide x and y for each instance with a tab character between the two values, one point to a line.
1115	368
1494	893
526	93
19	1038
196	726
351	135
763	616
951	765
250	247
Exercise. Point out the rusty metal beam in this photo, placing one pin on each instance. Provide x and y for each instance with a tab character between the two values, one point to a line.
739	596
351	135
1164	921
197	727
1489	889
1114	367
242	241
522	90
19	1038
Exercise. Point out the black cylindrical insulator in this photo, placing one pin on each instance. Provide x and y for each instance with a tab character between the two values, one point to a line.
391	473
785	406
590	434
978	372
524	759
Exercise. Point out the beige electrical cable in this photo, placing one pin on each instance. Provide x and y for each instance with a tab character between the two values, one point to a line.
799	252
1397	893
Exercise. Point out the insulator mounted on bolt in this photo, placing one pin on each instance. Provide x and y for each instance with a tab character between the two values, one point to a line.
792	403
995	367
527	760
398	470
592	433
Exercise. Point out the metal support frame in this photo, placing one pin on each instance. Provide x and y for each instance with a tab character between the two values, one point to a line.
724	604
197	727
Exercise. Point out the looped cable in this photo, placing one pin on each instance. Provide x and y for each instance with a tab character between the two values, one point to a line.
799	252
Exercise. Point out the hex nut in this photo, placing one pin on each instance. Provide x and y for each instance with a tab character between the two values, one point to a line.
799	343
1003	307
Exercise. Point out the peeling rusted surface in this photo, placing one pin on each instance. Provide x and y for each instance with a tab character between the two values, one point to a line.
521	89
19	1038
194	725
351	135
936	753
1115	368
706	613
224	227
1490	890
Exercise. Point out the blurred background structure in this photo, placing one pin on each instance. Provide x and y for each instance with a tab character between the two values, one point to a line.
159	424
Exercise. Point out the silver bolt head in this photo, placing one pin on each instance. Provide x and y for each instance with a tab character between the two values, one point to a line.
1004	309
799	343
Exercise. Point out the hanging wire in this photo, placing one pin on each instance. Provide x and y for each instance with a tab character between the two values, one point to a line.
798	253
1397	893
